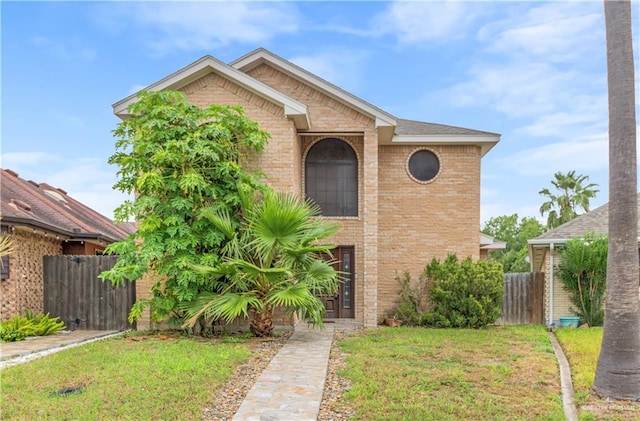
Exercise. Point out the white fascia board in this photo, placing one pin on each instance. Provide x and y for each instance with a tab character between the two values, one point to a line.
292	108
251	60
485	142
545	242
498	245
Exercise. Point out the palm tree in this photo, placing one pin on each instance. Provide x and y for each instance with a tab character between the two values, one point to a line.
274	259
573	195
618	369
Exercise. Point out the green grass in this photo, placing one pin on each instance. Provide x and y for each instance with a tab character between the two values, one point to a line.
140	377
582	347
446	374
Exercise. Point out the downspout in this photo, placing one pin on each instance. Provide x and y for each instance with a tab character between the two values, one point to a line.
551	248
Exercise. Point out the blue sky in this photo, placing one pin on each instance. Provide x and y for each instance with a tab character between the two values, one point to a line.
533	71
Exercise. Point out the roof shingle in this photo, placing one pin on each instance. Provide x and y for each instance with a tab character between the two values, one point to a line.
39	204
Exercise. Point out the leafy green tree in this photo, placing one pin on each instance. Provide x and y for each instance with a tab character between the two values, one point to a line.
178	159
583	272
274	259
618	369
563	205
515	232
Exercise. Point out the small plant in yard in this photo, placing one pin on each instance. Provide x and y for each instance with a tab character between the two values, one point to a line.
20	327
583	272
413	299
464	294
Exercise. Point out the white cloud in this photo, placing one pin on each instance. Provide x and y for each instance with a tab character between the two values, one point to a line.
553	31
70	51
420	22
136	88
205	25
88	180
582	155
339	66
14	160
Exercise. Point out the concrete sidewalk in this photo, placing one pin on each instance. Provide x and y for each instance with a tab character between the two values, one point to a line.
34	345
291	387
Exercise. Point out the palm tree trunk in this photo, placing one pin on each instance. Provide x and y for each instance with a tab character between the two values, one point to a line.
261	323
618	370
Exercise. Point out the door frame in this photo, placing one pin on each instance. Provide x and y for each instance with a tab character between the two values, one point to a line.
342	305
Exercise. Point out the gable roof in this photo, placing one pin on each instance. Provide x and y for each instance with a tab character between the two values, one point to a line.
259	56
207	64
39	205
390	129
596	221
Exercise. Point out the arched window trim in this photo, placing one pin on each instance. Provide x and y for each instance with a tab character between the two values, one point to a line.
305	180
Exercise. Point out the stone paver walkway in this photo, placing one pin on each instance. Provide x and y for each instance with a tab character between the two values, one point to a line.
291	387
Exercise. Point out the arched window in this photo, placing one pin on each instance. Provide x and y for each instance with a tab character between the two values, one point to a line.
331	177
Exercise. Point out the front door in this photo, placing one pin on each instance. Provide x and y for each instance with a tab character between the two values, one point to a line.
341	305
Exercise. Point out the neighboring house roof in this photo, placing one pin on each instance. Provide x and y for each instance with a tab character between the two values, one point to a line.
39	205
390	129
596	221
487	242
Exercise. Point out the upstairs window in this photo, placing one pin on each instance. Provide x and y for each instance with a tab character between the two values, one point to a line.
331	177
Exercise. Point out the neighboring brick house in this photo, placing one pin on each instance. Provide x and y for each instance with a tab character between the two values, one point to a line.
404	191
42	221
544	256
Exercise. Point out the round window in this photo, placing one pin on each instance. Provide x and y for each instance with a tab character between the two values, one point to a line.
423	165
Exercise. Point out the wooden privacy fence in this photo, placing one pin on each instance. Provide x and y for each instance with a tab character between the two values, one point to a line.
73	292
523	301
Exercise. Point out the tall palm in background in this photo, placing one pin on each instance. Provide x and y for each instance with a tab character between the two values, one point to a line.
572	195
274	259
618	370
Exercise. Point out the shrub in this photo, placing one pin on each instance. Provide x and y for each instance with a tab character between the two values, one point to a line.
463	294
20	327
413	299
583	273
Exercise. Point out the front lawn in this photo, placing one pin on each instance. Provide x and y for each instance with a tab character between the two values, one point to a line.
138	377
453	374
582	347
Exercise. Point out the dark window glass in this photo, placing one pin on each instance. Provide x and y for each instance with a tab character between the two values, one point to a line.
424	165
4	267
331	177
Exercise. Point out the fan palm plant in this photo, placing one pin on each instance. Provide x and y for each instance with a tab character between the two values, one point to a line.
275	258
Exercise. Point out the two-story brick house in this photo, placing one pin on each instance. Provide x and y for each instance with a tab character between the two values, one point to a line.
404	191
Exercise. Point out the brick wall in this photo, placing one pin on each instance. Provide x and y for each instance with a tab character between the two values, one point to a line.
81	248
418	222
24	288
561	300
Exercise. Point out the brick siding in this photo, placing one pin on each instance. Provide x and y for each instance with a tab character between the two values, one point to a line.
24	288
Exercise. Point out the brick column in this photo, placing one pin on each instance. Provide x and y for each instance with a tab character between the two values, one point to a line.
370	222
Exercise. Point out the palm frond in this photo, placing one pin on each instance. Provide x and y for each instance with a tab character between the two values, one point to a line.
6	245
293	295
227	306
221	220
